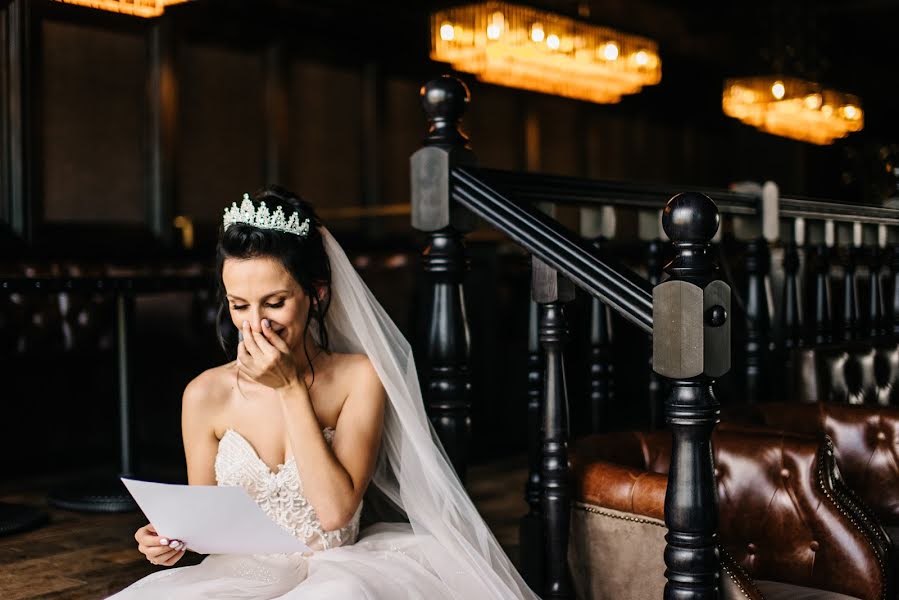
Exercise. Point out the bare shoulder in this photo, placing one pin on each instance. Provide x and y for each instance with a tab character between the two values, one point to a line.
357	369
208	391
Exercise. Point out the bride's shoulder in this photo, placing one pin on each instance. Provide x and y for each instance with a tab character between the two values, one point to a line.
351	364
210	385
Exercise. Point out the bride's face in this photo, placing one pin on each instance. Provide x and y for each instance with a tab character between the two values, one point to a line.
261	288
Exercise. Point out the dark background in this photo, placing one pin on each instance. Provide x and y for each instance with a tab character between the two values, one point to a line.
114	125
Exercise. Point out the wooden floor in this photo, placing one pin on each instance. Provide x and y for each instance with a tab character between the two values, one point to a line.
80	556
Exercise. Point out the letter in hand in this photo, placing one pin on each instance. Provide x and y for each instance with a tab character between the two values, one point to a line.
159	550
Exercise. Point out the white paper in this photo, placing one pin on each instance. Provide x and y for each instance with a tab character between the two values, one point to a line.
211	519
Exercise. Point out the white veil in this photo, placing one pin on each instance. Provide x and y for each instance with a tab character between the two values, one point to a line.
413	470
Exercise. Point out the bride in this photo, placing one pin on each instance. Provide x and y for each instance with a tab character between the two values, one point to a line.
322	400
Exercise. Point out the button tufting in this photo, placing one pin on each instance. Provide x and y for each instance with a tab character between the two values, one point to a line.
751	549
717	472
784	473
881	436
813	546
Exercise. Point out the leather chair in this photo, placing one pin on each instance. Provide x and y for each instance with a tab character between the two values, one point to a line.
846	373
866	441
787	530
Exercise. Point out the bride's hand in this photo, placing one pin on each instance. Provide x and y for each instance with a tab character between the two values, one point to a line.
158	550
266	357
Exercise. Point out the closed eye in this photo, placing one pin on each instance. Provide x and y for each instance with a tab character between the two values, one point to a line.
278	305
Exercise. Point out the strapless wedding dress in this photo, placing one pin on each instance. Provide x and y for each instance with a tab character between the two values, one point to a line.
382	562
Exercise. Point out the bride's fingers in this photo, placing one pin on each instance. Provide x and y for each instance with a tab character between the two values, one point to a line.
162	557
273	338
249	340
172	559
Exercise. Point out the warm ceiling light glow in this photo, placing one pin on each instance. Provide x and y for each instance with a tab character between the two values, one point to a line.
495	28
813	101
778	90
793	108
610	51
447	33
137	8
533	49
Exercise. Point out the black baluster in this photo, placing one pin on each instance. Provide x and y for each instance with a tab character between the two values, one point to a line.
656	384
531	538
875	314
552	291
758	320
894	272
792	309
850	293
602	371
823	304
447	376
691	346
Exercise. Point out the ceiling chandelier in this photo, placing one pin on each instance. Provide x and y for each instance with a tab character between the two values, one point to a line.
138	8
793	108
527	48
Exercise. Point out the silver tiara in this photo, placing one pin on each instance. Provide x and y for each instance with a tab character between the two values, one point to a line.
260	217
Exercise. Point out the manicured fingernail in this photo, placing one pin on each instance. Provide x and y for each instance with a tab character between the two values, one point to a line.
164	541
174	544
266	323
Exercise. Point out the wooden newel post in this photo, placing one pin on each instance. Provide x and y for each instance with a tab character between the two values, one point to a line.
447	378
552	291
691	346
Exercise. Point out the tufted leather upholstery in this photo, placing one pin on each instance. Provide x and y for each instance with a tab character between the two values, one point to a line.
866	441
847	373
781	517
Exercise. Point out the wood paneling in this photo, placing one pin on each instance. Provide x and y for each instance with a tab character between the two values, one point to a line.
93	115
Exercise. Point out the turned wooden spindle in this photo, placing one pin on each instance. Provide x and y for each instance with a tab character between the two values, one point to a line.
552	292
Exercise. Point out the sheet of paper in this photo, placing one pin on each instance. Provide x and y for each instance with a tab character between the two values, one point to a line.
211	519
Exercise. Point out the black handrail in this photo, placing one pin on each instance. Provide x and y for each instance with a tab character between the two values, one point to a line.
559	189
558	247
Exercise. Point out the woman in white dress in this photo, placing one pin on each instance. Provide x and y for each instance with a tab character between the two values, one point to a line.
322	400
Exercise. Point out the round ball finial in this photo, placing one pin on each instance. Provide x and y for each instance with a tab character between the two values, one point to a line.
690	217
444	101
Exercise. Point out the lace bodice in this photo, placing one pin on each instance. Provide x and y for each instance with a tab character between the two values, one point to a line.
279	493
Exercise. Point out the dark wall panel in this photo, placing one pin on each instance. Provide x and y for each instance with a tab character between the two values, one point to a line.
221	129
92	132
325	141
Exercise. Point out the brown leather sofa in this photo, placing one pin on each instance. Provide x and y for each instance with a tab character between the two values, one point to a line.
866	441
787	530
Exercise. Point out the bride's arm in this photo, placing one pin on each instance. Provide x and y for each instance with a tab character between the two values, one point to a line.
335	478
197	432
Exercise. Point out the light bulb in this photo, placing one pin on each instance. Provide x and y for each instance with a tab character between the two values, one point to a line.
851	112
447	32
537	33
813	101
642	58
495	29
552	40
610	51
778	90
